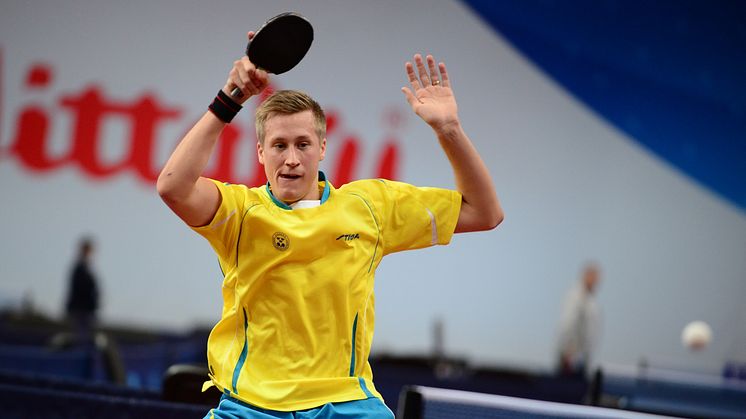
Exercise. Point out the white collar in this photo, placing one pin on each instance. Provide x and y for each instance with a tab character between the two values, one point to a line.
309	203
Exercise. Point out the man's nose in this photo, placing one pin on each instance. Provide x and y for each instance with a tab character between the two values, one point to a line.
291	159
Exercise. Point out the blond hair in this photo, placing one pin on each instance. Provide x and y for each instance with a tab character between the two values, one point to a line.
287	102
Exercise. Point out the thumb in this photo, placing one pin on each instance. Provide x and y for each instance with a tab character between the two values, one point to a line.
410	97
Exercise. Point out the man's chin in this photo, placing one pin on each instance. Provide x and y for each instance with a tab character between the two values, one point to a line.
286	196
289	193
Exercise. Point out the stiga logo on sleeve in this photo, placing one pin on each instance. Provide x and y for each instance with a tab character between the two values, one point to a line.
349	237
280	241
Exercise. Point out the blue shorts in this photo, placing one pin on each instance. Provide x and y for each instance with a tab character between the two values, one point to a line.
370	408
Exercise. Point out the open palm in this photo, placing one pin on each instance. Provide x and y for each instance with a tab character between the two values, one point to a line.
430	95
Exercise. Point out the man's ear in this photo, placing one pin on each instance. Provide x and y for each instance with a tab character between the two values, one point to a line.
260	152
323	149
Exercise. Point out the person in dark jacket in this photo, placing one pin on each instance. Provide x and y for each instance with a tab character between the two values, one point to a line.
83	297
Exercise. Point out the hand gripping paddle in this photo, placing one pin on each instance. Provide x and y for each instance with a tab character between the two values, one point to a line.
280	44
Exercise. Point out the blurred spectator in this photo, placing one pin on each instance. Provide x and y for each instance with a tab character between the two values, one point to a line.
580	325
83	296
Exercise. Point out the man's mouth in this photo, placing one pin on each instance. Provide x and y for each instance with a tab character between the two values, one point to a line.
289	176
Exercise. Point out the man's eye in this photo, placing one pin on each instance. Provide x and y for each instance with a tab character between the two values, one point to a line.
279	146
303	146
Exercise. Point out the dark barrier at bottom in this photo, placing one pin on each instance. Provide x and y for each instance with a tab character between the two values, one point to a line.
20	402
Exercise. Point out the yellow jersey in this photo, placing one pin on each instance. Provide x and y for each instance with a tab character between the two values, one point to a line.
298	303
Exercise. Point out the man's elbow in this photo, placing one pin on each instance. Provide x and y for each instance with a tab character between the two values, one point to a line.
162	186
166	187
479	218
494	219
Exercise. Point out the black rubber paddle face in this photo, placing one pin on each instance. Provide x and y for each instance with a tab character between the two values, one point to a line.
281	43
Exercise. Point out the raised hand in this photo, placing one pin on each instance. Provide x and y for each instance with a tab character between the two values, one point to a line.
430	95
246	77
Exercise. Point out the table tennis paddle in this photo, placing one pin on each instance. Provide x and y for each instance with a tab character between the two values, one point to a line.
280	44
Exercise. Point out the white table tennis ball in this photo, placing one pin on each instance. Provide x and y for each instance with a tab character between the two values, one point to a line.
696	335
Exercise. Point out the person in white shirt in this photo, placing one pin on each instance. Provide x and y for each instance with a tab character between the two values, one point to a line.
580	324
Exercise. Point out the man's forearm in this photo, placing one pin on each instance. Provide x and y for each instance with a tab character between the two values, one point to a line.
480	207
189	159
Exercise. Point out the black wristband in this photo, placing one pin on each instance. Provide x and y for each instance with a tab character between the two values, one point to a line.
224	107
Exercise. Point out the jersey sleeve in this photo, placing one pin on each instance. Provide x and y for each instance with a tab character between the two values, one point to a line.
416	217
223	230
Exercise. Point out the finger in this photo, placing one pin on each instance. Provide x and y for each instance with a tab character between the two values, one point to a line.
254	83
435	80
246	63
248	73
234	80
243	68
411	98
411	76
260	79
444	75
251	35
421	70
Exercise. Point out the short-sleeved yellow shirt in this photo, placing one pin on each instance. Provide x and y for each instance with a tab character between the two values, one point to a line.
298	303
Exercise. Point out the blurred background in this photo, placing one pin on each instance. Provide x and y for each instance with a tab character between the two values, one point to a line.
615	132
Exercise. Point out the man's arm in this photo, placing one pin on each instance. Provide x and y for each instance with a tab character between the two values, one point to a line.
432	99
192	197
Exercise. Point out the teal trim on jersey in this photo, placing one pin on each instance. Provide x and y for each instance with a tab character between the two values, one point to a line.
352	356
221	268
240	230
275	200
244	353
378	230
324	193
364	387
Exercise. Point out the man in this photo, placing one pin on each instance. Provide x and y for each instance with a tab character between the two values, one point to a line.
580	323
82	299
299	256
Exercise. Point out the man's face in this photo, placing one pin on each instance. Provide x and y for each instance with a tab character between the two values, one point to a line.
291	153
590	278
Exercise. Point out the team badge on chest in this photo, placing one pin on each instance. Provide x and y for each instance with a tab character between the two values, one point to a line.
280	241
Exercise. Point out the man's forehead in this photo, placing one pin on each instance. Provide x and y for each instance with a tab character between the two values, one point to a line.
290	125
302	115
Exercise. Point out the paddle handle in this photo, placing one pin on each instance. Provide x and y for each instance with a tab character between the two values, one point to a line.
236	93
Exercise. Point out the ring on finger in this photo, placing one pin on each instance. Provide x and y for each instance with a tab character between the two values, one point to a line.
436	82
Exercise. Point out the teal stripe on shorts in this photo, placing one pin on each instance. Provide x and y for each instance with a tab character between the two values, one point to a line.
370	408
